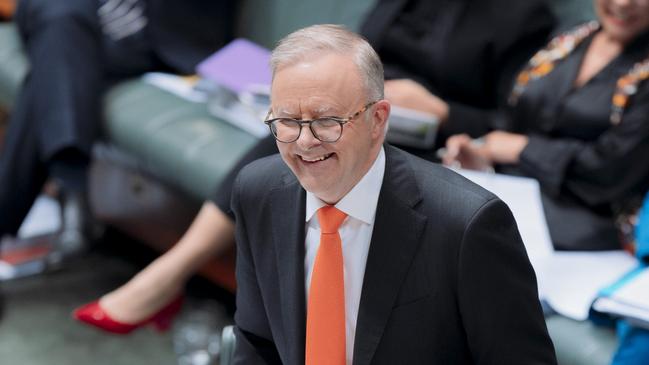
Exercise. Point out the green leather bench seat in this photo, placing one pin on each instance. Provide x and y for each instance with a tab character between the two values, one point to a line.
180	142
581	343
13	65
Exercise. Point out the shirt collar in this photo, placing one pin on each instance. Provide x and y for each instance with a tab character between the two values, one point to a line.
360	202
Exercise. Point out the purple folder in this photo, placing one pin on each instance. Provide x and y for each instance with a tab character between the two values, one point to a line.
238	65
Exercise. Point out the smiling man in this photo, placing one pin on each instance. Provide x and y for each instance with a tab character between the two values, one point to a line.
352	251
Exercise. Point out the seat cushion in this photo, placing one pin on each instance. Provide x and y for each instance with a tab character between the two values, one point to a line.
13	64
173	139
581	343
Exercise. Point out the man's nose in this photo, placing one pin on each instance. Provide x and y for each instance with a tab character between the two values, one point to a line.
306	139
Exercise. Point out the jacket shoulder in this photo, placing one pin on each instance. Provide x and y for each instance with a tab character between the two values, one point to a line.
443	193
268	172
435	179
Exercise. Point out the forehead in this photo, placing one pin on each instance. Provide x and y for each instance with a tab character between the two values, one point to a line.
321	84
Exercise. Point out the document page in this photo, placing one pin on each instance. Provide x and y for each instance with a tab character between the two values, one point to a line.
636	291
570	281
630	301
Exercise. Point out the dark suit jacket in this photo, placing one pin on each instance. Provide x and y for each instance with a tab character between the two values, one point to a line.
447	280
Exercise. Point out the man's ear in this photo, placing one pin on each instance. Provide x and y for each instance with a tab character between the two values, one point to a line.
380	117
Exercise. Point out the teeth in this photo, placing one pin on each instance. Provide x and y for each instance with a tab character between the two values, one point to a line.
315	159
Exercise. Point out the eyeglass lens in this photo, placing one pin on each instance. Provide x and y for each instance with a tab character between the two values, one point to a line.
288	130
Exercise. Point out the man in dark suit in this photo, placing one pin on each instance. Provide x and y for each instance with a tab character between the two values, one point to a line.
425	268
76	48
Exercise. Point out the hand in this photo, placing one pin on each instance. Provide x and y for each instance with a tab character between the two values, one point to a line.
410	94
463	151
504	147
495	147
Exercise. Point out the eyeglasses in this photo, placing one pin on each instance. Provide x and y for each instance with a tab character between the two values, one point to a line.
326	129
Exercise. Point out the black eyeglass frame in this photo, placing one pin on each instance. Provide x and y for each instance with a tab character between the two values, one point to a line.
301	122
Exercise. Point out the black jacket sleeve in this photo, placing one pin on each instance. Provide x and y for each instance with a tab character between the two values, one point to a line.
595	172
494	274
254	339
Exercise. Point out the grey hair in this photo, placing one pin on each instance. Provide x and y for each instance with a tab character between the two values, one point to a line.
331	38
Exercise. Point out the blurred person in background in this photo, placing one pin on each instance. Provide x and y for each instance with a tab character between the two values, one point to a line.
76	48
455	59
577	122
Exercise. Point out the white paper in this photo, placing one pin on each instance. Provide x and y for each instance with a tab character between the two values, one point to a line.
570	281
631	300
175	84
635	291
241	116
523	196
639	316
44	217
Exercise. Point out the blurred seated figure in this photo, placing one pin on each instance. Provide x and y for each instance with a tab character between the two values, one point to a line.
76	48
152	292
463	51
455	59
634	342
577	122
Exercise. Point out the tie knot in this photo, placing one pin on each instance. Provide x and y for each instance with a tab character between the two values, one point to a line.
330	219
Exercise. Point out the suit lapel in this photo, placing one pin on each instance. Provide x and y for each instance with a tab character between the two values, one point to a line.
288	207
395	240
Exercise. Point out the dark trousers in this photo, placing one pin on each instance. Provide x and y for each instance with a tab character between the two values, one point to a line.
58	108
264	147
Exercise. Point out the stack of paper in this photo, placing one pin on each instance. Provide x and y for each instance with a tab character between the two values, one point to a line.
241	74
628	298
570	281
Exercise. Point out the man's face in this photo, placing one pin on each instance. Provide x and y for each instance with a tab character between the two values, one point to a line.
328	85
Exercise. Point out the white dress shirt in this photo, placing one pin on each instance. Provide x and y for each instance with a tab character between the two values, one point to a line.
355	233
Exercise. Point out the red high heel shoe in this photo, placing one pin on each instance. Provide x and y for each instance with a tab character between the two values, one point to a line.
94	315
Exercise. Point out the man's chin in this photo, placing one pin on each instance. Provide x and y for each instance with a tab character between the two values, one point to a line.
319	190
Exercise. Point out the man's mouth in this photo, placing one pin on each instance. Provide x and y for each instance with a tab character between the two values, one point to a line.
315	159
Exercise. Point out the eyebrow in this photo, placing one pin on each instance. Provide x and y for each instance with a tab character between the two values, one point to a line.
318	112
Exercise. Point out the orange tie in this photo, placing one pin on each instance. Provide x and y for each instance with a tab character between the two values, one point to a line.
325	320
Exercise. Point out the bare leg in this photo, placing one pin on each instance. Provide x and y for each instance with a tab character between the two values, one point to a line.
212	232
